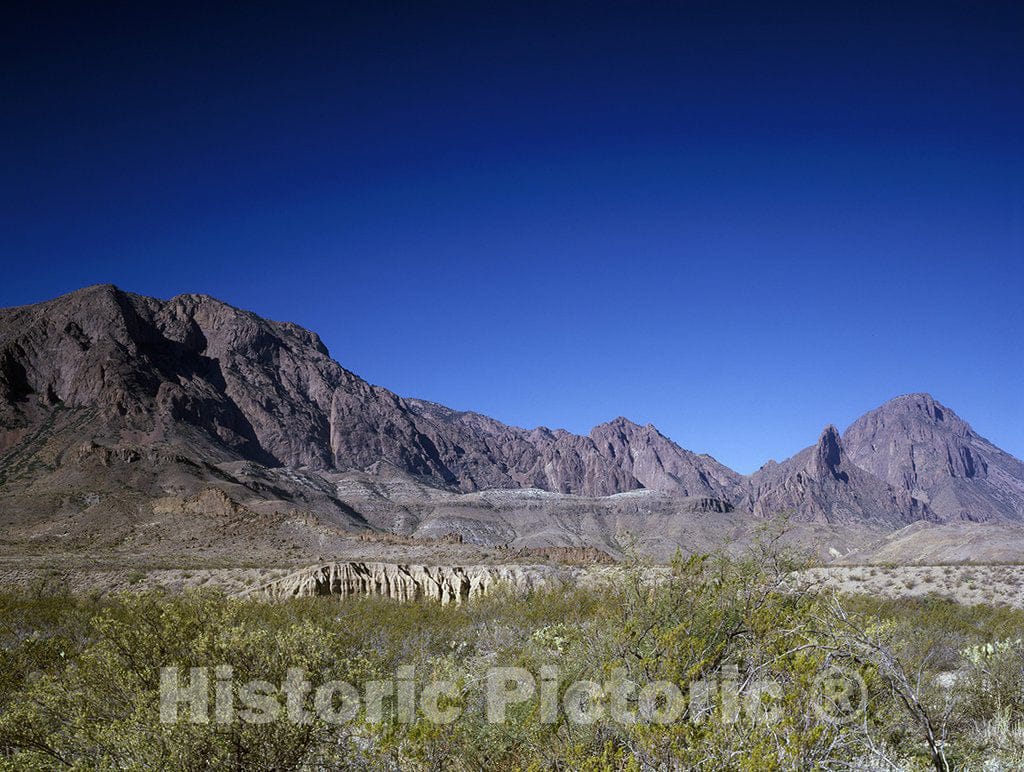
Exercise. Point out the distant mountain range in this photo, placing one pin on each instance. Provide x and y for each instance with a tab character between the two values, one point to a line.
110	395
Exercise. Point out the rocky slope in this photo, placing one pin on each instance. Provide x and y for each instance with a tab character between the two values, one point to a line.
616	456
924	449
650	522
822	484
130	422
194	369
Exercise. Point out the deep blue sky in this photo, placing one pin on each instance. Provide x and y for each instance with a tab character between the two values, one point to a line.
738	223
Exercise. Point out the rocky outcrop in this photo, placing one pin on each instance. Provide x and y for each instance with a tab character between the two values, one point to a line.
211	502
174	369
821	484
615	457
659	464
445	584
922	447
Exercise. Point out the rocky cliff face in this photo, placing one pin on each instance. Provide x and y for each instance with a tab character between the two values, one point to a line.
923	448
196	368
659	464
822	484
616	456
258	389
445	584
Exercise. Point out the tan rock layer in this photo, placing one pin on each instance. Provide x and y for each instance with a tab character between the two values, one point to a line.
406	582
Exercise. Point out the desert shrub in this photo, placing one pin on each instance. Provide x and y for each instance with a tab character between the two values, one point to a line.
935	617
102	707
80	679
41	630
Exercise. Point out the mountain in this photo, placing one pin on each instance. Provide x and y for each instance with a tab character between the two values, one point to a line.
132	421
615	457
923	448
822	484
194	372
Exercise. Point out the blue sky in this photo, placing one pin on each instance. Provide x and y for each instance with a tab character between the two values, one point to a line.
737	223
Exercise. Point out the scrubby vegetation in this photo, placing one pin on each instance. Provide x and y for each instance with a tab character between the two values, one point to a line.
934	684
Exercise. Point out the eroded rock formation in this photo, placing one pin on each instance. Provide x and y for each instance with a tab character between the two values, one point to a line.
445	584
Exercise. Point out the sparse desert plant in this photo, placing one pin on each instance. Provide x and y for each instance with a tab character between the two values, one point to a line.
79	674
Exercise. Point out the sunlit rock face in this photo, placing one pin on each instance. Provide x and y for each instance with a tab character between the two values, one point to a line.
920	446
199	372
445	584
117	406
821	484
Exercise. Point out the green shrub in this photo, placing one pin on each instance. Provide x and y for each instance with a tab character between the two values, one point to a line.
79	681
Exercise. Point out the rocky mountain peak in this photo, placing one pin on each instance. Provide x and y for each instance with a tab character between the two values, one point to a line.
820	483
624	427
828	452
620	422
921	408
919	445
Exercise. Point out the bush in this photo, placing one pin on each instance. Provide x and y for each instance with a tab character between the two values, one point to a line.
80	678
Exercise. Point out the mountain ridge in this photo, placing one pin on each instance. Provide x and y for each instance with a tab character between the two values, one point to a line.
225	385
